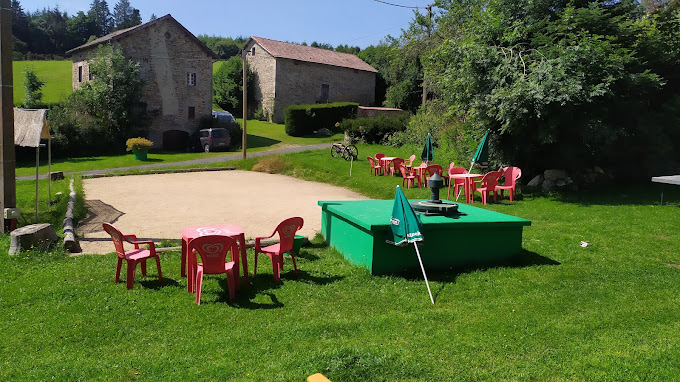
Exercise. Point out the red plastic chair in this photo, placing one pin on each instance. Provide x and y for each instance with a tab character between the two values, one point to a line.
409	163
486	186
395	165
286	230
511	176
456	183
431	170
133	257
375	168
213	251
378	156
407	177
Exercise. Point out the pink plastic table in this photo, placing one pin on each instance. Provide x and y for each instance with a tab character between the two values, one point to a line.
420	170
233	231
468	178
385	163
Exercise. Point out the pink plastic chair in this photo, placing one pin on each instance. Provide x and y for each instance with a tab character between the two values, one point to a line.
407	177
137	255
511	176
286	230
375	168
431	170
213	251
456	183
409	163
395	165
486	186
379	155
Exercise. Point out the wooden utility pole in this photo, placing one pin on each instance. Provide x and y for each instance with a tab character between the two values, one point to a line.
429	35
8	199
245	101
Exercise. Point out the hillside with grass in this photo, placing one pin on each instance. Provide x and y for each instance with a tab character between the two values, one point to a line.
55	74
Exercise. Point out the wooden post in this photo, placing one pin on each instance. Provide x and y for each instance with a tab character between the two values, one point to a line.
8	199
245	102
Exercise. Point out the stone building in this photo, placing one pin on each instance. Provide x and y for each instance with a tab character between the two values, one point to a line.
176	72
290	74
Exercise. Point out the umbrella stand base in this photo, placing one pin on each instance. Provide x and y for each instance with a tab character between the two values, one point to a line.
435	208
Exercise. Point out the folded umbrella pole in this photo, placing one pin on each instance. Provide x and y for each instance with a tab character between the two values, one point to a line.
481	155
405	228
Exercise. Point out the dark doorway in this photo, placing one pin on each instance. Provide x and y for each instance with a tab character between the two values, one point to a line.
175	140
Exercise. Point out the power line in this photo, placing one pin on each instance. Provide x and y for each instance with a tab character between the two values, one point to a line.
396	5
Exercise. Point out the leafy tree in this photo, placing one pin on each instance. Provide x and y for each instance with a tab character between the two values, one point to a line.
32	86
125	16
224	47
103	113
228	86
79	29
153	17
560	83
19	25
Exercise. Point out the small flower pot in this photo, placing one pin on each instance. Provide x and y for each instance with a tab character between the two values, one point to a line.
140	154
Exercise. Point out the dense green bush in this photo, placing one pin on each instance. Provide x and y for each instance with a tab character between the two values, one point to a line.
375	129
234	128
303	120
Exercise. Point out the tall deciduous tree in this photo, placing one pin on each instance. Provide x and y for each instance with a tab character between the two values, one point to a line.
228	86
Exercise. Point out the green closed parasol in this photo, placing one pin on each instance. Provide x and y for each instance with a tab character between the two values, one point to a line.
405	228
428	151
482	153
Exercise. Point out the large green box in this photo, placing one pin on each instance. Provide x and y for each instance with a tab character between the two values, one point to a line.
358	230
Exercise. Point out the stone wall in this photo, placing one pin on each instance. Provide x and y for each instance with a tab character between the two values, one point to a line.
263	66
300	83
166	55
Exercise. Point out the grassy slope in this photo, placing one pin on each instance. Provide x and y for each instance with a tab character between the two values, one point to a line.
561	312
55	74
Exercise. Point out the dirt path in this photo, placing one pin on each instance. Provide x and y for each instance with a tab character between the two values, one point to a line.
158	206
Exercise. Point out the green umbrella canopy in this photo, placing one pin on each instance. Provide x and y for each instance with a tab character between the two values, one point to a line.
482	153
404	224
428	150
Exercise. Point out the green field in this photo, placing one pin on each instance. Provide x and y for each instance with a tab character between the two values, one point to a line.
55	74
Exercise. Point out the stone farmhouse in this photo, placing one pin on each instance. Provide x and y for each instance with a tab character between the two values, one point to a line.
176	72
290	74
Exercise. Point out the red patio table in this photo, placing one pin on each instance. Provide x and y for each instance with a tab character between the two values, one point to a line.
385	163
420	170
468	178
233	231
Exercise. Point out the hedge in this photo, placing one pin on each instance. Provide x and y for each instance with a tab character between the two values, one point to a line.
303	120
375	130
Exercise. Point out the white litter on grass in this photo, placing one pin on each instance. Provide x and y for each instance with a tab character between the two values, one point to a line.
584	244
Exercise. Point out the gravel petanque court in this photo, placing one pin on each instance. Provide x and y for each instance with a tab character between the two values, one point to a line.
158	206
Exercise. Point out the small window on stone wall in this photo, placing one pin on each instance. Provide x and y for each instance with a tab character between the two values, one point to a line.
192	112
252	52
80	74
191	78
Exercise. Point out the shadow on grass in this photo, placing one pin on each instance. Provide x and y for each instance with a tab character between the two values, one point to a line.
151	160
156	285
524	260
629	195
264	284
449	276
255	141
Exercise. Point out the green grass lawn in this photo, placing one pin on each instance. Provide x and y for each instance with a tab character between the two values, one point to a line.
261	136
55	74
559	312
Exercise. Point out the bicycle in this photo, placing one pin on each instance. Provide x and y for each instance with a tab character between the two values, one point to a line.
346	151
